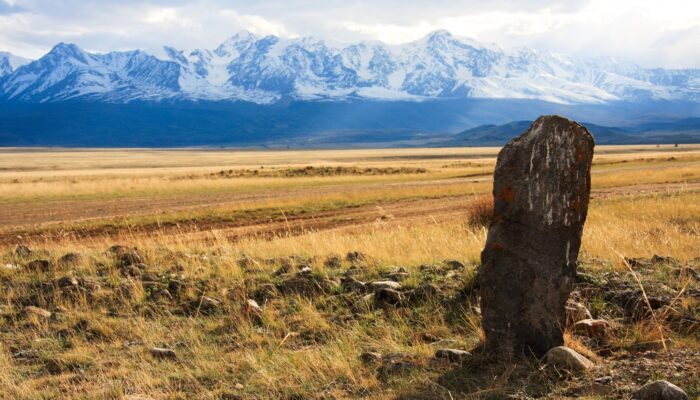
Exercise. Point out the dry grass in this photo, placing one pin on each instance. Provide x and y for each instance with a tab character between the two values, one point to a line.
306	345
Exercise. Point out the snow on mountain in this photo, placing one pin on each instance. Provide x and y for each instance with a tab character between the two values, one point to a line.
269	69
10	62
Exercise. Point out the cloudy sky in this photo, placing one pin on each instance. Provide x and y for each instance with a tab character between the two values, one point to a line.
650	32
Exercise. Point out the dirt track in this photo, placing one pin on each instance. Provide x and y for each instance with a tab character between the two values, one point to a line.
404	211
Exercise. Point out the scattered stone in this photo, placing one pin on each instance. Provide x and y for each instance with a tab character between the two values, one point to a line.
126	257
453	264
397	276
424	292
351	284
575	312
660	260
67	283
396	364
39	266
306	271
453	355
384	298
163	353
37	312
69	260
370	358
378	285
593	328
209	305
541	193
355	257
23	251
252	307
604	380
11	267
660	390
564	358
333	261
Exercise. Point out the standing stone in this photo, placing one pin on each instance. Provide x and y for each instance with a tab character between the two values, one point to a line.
541	190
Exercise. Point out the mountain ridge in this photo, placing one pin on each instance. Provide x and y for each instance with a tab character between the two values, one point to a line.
269	69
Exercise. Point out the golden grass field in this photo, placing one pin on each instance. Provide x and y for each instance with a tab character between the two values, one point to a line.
212	227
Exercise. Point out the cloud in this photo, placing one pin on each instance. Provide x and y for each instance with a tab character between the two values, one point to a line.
7	8
644	31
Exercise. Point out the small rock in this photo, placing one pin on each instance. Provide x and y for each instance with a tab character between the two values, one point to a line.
593	328
453	355
69	259
604	380
384	298
576	311
397	276
564	358
38	312
252	307
378	285
163	353
306	271
351	284
660	390
209	305
67	282
23	251
370	358
11	267
355	257
657	259
424	292
39	266
333	261
453	264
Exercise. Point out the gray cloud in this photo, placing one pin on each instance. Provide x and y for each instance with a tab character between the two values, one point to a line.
581	27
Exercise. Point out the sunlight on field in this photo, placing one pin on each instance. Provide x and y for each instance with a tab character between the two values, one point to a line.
209	240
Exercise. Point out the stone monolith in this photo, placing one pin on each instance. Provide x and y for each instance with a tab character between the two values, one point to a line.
541	190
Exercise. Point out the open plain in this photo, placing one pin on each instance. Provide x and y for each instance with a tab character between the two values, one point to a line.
225	274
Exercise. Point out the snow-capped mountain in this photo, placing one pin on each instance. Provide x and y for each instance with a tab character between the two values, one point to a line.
269	69
10	62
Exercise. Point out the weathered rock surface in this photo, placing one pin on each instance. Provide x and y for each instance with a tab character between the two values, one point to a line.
564	358
660	390
541	193
453	355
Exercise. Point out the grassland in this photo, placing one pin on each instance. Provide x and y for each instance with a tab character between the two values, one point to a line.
213	229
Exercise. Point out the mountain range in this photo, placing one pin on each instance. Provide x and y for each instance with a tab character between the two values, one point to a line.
254	90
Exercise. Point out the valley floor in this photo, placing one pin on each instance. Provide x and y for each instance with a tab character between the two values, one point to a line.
303	234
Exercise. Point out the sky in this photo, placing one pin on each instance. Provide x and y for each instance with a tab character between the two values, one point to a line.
651	33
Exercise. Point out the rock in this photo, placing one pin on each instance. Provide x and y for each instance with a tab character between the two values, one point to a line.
67	283
209	305
593	328
453	264
11	267
163	353
37	312
541	192
378	285
69	260
384	298
23	251
397	276
424	292
351	284
575	312
453	355
370	358
660	390
306	271
355	257
252	307
39	266
661	260
333	261
396	364
126	257
564	358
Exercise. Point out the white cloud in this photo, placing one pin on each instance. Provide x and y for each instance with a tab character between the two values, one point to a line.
648	32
